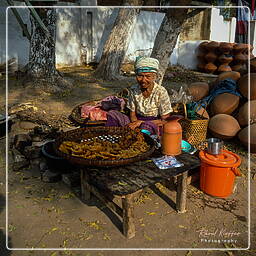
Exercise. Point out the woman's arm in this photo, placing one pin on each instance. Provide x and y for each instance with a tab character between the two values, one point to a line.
134	120
133	116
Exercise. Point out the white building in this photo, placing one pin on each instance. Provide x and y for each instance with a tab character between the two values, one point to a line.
82	32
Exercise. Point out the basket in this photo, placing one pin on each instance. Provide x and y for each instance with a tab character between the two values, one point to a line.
75	115
194	131
87	133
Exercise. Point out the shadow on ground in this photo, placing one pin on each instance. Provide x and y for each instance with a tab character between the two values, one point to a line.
3	250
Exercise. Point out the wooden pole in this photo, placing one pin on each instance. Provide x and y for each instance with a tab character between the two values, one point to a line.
128	217
181	192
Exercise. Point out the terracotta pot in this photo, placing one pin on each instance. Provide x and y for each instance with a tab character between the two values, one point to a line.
202	47
225	58
225	47
243	137
200	67
243	86
210	57
240	58
223	126
211	46
210	68
253	65
237	68
244	117
224	103
237	48
198	90
224	68
230	74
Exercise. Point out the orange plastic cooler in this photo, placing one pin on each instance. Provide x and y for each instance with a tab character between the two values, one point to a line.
218	172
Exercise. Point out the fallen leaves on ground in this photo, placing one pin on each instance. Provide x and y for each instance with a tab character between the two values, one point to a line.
68	195
106	237
94	225
181	226
85	236
11	228
122	183
148	237
151	213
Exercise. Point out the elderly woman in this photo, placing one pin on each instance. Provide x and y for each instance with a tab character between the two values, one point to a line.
148	102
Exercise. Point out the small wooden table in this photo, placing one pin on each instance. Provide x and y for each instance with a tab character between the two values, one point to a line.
125	181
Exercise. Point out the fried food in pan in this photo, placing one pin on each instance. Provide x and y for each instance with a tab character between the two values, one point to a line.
127	147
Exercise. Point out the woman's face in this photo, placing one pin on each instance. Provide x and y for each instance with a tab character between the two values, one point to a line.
146	79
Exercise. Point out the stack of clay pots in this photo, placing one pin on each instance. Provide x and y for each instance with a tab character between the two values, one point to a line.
218	57
230	115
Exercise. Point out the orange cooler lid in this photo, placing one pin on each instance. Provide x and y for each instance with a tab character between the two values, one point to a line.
226	159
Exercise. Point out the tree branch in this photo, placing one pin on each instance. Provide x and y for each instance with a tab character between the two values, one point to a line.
195	12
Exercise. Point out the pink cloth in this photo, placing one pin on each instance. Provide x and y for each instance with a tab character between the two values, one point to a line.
94	113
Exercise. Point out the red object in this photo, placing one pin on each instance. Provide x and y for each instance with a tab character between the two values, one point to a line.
172	137
93	113
218	172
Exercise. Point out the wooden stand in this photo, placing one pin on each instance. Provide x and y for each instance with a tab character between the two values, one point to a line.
106	184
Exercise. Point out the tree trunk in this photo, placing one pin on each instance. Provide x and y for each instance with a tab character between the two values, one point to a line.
41	66
167	35
116	46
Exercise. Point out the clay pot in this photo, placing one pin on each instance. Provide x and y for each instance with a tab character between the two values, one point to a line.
243	86
243	115
211	46
202	47
237	48
240	58
224	68
223	126
253	65
210	57
224	103
237	68
225	58
225	47
210	68
243	137
200	66
230	74
201	55
198	90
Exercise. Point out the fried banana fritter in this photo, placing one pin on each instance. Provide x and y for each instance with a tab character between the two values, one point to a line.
127	147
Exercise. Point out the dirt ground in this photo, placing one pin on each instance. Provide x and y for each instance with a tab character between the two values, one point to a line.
51	215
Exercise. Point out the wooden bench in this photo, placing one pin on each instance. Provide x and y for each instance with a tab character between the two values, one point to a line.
126	181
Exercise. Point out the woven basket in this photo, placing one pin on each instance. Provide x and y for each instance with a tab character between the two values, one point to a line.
75	115
194	131
87	133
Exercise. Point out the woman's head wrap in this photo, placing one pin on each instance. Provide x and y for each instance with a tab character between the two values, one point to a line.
146	64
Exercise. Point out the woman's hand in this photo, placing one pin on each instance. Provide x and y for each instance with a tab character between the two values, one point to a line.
135	124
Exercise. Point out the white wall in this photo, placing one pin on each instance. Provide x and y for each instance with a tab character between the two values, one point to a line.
18	44
68	36
222	30
253	35
144	33
73	31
